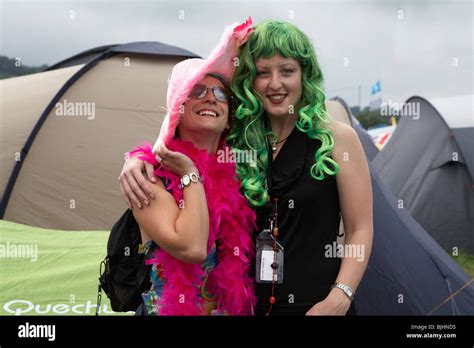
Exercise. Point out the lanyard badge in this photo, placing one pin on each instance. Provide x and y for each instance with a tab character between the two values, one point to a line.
269	254
269	259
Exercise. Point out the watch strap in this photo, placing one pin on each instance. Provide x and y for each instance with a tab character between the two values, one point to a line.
346	289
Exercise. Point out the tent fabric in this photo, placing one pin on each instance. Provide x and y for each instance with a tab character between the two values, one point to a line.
59	278
427	170
465	141
368	145
71	170
20	111
458	113
148	48
80	58
408	272
152	48
128	93
337	112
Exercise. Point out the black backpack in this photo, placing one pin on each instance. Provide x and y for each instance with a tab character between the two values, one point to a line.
124	276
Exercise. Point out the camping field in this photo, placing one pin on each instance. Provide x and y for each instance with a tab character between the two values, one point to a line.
59	278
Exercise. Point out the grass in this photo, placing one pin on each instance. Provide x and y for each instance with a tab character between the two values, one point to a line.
466	261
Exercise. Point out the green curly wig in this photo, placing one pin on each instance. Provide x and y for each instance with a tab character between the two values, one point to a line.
251	129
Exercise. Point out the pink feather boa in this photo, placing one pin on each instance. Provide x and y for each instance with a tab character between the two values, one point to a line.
230	223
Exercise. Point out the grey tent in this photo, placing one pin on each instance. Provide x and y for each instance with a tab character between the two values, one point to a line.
65	130
408	272
428	164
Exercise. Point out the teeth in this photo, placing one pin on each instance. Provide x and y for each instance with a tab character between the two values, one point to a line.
277	97
207	113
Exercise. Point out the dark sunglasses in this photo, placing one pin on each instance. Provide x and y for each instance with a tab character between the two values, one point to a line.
200	91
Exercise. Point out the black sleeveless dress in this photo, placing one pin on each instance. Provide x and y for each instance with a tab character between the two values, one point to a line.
308	221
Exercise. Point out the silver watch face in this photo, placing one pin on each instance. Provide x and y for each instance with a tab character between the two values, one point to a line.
194	177
186	180
348	291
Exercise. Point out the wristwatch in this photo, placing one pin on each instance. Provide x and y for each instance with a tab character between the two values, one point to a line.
346	288
187	179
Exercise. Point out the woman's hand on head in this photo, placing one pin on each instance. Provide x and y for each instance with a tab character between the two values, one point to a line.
135	187
175	162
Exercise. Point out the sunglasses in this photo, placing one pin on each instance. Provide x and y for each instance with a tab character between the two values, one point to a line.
200	91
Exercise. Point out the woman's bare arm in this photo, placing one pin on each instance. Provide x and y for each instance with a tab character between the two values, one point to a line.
355	198
180	230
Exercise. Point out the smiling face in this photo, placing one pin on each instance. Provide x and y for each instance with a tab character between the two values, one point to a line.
278	81
207	114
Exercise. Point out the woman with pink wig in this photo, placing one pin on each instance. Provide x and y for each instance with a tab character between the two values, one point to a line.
199	246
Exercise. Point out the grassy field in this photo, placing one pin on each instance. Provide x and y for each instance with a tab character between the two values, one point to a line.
466	261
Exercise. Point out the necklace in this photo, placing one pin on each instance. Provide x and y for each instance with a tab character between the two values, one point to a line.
274	144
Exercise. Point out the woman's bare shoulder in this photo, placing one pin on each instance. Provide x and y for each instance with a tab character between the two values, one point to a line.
343	134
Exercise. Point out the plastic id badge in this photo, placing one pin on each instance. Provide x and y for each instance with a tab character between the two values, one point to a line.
269	261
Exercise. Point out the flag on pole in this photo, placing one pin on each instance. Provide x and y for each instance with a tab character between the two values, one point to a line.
376	88
375	96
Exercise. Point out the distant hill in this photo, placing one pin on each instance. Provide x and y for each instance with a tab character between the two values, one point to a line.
8	68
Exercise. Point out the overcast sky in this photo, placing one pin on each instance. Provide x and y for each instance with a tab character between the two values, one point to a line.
413	47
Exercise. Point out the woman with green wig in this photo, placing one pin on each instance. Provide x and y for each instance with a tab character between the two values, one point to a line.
309	172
